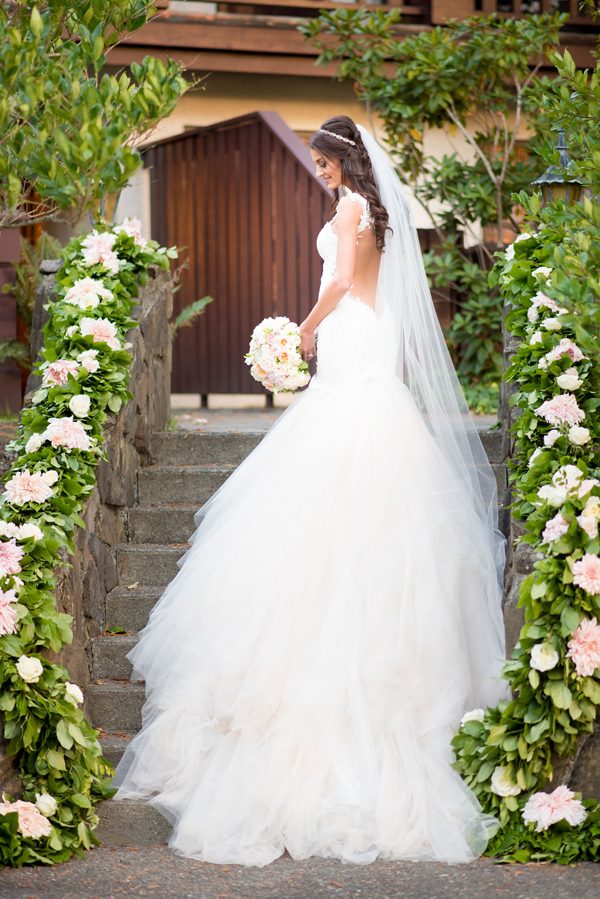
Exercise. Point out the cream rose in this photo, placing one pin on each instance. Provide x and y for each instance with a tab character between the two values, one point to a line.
578	436
73	693
569	380
29	669
46	803
29	529
79	405
501	784
543	657
34	443
473	715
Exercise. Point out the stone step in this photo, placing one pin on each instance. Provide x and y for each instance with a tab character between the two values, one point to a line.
492	443
130	822
129	609
148	564
115	707
113	746
161	524
109	657
189	484
200	447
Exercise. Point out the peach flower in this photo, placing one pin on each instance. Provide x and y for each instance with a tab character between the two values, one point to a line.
561	409
10	557
57	373
102	330
28	487
98	250
586	574
584	647
8	614
545	809
31	821
555	528
68	433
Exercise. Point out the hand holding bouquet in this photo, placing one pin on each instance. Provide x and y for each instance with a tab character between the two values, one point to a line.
275	357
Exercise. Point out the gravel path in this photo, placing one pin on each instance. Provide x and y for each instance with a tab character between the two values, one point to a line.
157	872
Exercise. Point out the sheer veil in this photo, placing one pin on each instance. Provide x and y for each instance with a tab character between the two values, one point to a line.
423	363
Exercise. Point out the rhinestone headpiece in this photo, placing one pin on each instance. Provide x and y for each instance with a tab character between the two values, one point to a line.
339	136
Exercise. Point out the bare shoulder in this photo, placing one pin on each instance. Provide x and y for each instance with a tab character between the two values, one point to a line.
349	208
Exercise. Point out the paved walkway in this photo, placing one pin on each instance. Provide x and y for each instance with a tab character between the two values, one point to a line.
157	872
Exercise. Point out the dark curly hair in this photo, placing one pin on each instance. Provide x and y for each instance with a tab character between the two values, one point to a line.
357	173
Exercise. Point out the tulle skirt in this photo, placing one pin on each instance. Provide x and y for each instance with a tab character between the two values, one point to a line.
329	625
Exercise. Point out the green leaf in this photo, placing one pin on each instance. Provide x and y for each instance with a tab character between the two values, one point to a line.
62	733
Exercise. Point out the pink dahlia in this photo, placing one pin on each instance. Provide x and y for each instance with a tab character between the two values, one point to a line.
58	372
102	330
566	347
545	809
8	615
27	487
584	647
555	528
31	821
98	250
561	409
586	574
68	433
10	557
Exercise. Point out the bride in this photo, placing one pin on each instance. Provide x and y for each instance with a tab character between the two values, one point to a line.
338	609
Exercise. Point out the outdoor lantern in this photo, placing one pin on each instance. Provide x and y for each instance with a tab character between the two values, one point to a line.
554	183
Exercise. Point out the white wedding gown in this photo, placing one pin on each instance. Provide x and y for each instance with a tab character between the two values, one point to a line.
308	665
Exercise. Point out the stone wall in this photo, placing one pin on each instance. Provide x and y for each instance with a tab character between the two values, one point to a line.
91	573
581	771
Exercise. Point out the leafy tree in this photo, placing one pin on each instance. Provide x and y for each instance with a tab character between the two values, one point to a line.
68	132
477	78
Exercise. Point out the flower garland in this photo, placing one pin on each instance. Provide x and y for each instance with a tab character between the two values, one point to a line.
85	372
505	754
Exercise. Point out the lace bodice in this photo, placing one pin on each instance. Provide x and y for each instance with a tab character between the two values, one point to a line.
327	238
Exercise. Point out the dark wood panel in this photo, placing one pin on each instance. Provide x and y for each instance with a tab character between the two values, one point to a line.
244	208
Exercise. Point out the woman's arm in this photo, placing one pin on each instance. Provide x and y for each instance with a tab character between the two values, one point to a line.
348	217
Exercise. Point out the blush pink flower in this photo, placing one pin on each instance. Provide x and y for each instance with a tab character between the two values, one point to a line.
58	372
10	557
102	330
555	528
98	250
561	409
545	809
27	487
566	347
133	227
68	433
8	614
586	574
87	293
31	821
584	647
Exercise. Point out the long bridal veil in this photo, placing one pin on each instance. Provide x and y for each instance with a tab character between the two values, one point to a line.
423	363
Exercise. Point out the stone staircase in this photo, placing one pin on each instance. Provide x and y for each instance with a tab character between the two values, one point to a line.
185	469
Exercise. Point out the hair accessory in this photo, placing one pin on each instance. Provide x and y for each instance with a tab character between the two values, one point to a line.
339	136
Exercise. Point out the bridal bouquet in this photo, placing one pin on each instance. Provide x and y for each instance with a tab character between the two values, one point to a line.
275	357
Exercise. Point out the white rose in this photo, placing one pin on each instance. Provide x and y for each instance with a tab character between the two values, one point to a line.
534	456
543	363
552	324
569	380
47	804
50	477
473	715
8	529
543	657
73	693
29	669
79	405
536	337
553	495
551	437
34	443
510	252
89	361
542	272
578	436
71	331
501	783
29	529
524	236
